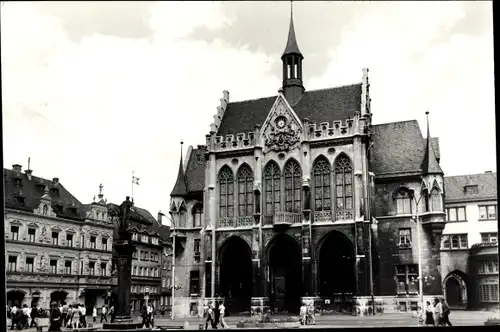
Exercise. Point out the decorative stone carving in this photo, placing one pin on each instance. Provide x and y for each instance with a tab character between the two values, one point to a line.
43	264
43	234
267	237
360	240
282	131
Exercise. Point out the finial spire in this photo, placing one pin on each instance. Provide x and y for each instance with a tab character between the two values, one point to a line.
100	189
29	161
291	45
430	163
180	185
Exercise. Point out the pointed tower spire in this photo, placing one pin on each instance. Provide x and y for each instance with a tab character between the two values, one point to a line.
180	188
293	86
429	163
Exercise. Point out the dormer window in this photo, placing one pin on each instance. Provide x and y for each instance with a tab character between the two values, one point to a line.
72	210
54	191
45	210
20	198
58	208
471	190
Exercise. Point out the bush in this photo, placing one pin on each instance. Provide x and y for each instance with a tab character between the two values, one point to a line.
492	321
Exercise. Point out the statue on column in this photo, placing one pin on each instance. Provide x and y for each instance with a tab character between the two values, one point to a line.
125	212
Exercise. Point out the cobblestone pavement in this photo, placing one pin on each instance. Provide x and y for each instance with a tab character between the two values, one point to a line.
457	318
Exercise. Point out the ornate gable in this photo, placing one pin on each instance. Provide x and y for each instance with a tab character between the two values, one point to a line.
282	129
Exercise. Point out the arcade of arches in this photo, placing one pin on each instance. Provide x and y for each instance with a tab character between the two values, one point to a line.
283	279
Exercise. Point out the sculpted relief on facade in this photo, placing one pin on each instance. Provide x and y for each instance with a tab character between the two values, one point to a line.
282	130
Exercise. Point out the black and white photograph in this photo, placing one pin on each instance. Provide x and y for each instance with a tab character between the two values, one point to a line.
249	165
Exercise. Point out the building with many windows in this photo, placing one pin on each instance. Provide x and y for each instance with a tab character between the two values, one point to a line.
149	238
469	249
299	197
57	249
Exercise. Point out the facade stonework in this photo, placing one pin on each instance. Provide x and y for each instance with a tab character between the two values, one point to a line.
305	200
469	249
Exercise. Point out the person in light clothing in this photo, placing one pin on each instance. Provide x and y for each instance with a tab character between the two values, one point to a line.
222	311
420	316
83	312
303	313
438	312
94	314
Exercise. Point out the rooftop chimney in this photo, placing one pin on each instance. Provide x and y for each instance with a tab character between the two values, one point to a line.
55	180
28	173
17	168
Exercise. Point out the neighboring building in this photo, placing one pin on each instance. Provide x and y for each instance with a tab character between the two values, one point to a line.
148	237
293	194
56	248
469	249
166	268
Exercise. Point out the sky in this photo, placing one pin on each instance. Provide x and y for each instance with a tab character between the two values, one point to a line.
93	91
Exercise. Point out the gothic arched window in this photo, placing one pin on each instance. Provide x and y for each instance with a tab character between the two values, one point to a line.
197	213
245	191
272	178
293	180
435	200
343	183
226	192
403	197
182	216
322	196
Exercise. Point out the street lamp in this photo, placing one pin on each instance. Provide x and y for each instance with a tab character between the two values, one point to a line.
419	253
173	264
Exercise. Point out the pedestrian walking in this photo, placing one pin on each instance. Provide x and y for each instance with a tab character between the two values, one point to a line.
83	313
420	316
144	315
104	314
210	317
55	318
94	314
310	314
33	316
446	313
216	310
112	314
429	319
438	313
222	313
303	313
25	316
64	314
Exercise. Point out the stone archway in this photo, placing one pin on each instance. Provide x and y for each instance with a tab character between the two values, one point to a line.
336	265
35	298
58	296
15	297
236	274
455	289
285	273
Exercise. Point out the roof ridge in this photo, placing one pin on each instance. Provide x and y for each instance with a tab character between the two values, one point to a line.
474	174
388	123
335	87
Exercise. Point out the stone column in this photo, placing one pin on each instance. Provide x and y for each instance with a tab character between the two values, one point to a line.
358	178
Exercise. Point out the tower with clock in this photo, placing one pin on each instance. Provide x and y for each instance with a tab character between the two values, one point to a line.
303	199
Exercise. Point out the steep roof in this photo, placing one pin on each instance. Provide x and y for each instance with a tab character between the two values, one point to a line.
195	172
140	220
33	190
486	185
180	185
430	164
397	147
325	105
291	44
435	146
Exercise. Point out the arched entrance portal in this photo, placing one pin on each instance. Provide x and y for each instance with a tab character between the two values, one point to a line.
35	298
455	289
337	261
15	297
58	296
236	274
285	274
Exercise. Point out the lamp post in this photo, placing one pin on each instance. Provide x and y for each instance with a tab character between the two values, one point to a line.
172	312
419	252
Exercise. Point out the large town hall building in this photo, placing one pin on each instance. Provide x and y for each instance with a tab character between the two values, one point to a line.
298	196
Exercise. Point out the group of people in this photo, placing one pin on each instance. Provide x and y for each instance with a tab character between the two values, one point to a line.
21	316
307	315
435	314
215	315
148	315
67	315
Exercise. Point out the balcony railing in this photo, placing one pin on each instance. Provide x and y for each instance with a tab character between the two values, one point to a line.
287	218
239	221
323	216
